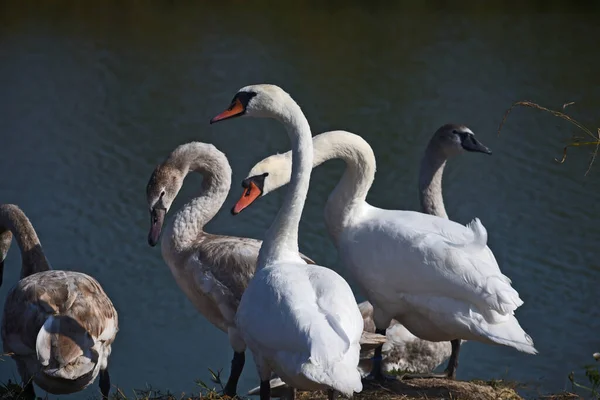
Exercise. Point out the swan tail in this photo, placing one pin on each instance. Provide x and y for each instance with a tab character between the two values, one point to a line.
510	334
480	235
501	296
342	376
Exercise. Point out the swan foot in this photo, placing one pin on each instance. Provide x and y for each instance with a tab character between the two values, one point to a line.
380	377
104	383
331	394
422	376
237	366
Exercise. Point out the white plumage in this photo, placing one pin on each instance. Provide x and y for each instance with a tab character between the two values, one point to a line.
300	321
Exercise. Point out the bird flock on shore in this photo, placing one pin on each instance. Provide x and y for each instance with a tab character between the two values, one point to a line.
430	283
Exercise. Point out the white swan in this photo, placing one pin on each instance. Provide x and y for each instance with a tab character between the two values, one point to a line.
435	276
300	321
403	350
212	270
58	325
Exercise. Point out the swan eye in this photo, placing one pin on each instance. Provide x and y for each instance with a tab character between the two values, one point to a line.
454	131
162	194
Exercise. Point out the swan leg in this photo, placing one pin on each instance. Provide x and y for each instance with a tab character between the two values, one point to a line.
265	390
237	366
453	362
376	373
104	383
331	394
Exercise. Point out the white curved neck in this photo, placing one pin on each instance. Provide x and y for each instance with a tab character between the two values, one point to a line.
189	221
14	220
282	236
354	184
353	187
430	180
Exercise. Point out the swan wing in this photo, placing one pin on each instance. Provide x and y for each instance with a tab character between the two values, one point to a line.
223	266
297	313
422	255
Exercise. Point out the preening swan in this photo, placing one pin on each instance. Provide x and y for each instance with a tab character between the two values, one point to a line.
436	277
58	325
212	270
300	321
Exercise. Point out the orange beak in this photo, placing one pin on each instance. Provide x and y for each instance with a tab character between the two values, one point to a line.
235	110
250	194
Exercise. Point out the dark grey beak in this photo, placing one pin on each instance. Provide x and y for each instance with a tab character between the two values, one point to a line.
1	272
157	218
469	143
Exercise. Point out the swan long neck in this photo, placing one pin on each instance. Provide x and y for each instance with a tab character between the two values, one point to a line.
430	180
351	190
189	221
14	223
282	236
353	187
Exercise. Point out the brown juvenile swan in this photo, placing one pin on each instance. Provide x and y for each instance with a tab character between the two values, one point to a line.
58	325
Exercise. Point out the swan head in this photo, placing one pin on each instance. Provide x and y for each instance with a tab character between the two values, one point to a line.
162	189
262	101
454	139
265	177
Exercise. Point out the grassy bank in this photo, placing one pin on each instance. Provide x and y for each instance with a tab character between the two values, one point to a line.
416	389
585	382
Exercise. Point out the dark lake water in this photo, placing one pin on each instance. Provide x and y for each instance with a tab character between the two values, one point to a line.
93	95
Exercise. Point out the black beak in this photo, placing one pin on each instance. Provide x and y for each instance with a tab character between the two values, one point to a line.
469	143
157	218
1	271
